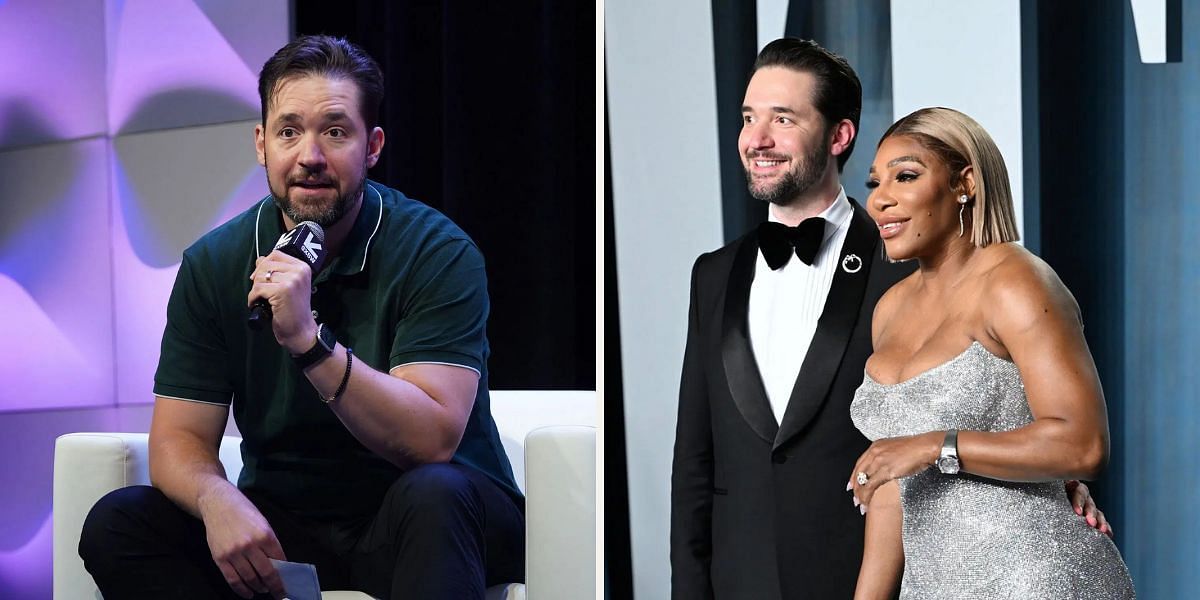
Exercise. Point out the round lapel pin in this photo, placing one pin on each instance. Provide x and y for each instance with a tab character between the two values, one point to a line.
851	263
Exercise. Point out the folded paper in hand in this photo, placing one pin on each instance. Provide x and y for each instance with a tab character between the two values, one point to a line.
299	580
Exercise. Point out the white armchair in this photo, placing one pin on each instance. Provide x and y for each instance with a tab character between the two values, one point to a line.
550	438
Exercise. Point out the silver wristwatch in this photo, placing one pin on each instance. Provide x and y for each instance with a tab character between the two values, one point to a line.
948	461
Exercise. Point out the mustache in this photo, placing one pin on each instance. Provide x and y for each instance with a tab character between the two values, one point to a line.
765	155
307	180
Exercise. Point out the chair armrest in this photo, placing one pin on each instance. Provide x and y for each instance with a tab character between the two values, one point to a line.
86	467
560	512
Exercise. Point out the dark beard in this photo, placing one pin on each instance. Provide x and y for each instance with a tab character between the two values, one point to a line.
796	181
325	218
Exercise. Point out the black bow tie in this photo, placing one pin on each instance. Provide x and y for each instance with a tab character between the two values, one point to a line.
777	241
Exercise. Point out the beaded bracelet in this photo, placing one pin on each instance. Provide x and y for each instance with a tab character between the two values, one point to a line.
345	378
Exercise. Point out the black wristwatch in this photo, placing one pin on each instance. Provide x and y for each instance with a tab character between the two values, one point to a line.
323	347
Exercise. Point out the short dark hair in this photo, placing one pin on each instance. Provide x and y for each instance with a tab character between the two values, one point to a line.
838	93
330	57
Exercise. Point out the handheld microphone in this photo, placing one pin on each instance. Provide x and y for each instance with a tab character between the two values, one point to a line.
306	242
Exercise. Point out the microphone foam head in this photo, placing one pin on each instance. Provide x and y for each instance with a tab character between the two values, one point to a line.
318	233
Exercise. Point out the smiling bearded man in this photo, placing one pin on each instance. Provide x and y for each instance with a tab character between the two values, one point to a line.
802	175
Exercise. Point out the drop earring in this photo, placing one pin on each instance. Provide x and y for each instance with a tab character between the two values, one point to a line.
962	204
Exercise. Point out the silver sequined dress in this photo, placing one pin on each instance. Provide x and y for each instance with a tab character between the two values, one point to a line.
973	537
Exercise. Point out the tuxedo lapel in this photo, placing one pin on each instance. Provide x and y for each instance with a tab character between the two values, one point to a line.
741	371
834	328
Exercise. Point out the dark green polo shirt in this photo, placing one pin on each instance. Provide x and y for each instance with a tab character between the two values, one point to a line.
409	286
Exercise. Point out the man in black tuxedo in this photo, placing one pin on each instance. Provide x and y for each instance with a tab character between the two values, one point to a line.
758	502
779	331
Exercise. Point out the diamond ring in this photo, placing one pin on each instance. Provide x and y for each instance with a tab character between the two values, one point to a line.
269	274
862	478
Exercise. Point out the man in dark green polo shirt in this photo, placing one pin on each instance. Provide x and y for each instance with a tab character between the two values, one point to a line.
368	441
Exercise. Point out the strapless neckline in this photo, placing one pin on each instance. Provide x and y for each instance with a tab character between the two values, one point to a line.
956	358
1022	539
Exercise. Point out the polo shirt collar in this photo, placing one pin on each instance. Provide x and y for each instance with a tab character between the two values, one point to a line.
353	257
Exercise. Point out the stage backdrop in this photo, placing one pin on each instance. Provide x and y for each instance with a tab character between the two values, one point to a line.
126	131
1093	106
495	126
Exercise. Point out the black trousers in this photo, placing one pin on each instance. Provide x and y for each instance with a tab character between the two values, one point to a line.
442	531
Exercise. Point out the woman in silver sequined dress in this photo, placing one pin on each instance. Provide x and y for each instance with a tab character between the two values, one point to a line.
981	397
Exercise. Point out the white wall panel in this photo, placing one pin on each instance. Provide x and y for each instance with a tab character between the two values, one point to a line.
666	207
965	55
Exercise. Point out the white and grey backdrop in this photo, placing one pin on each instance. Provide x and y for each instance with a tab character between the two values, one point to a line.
1092	104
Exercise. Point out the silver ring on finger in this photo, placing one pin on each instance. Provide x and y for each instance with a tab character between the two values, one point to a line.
862	478
269	275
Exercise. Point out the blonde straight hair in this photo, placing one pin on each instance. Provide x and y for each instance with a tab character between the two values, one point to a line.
959	141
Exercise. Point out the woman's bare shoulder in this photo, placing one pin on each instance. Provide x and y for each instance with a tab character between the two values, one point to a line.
890	302
1020	289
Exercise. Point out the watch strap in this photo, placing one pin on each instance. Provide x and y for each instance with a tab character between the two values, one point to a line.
950	444
322	347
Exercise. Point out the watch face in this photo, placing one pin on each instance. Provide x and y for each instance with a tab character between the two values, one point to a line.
327	338
948	465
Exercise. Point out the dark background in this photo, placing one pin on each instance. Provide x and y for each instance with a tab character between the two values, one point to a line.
490	117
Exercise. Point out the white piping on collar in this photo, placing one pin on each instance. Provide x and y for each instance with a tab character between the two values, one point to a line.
257	217
366	247
378	221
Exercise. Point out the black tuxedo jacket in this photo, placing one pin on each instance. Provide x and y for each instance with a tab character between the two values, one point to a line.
759	509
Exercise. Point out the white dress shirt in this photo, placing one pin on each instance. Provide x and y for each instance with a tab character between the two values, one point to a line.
786	304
